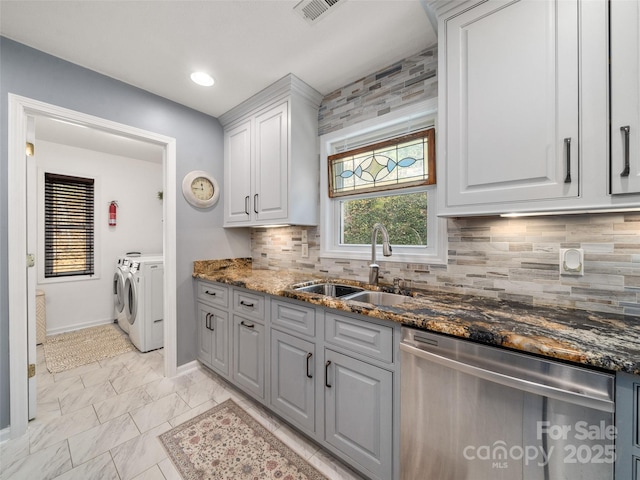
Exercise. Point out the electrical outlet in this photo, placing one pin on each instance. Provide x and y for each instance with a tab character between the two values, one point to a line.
572	261
305	250
304	236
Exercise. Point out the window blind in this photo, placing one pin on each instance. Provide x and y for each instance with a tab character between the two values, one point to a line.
69	225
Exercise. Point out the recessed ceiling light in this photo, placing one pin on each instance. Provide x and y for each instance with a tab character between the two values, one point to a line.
202	78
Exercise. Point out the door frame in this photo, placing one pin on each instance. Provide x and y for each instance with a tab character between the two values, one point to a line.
20	108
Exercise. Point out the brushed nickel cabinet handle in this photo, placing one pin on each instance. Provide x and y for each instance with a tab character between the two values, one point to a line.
625	131
255	203
567	144
246	204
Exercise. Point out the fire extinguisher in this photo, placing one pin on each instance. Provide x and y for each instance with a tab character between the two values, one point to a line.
113	207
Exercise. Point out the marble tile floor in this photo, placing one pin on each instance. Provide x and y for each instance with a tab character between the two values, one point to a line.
101	422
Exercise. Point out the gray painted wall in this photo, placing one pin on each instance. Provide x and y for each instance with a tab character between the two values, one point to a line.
34	74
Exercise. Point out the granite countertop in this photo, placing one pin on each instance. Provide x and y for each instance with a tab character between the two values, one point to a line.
595	339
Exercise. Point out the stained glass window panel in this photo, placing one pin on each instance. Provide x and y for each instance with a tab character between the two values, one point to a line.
401	162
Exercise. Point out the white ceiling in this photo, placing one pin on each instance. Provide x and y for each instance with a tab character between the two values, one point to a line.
244	44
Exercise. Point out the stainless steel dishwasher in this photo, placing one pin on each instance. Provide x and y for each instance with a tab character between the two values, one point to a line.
474	412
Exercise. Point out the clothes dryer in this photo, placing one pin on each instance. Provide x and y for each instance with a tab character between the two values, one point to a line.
144	292
119	298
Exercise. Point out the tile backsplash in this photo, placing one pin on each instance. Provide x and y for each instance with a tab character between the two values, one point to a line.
507	258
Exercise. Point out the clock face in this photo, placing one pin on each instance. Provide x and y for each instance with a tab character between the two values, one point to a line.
202	188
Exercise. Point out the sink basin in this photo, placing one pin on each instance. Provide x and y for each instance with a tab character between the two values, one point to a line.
378	298
330	289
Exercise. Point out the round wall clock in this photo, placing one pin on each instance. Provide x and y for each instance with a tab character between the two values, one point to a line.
200	189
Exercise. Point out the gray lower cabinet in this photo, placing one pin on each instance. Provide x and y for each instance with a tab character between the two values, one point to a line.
213	338
628	427
332	376
359	412
293	379
248	355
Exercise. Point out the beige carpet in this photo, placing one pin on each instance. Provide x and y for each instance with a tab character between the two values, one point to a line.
73	349
226	443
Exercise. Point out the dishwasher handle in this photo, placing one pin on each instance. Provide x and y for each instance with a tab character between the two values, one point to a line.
513	382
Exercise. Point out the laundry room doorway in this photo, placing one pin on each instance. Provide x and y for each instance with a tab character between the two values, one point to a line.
24	114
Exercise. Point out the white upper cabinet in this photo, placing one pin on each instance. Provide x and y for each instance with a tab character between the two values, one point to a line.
525	107
237	176
271	157
512	103
625	96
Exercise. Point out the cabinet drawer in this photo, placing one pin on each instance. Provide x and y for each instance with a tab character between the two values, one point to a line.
294	318
250	305
363	337
214	294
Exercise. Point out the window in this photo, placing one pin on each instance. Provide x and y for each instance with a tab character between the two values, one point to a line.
69	226
382	172
397	163
404	216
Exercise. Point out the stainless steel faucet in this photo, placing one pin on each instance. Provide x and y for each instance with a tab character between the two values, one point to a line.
386	251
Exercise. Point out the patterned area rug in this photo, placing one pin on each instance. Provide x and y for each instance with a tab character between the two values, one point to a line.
226	443
73	349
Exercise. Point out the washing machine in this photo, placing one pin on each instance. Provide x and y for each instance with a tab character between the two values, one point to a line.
119	298
144	302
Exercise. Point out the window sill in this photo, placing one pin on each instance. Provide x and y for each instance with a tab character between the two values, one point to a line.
431	259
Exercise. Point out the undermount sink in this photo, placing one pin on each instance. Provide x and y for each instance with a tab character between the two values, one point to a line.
378	298
330	289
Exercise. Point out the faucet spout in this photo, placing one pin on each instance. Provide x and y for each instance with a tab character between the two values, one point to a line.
386	251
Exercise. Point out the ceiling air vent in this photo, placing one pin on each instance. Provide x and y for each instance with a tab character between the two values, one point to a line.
315	10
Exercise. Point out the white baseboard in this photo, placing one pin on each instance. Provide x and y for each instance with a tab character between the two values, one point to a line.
188	367
77	326
5	434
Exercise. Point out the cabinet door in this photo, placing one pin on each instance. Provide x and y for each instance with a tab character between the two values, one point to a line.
511	103
627	426
625	96
205	335
359	412
213	338
237	195
219	324
271	164
248	355
293	379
